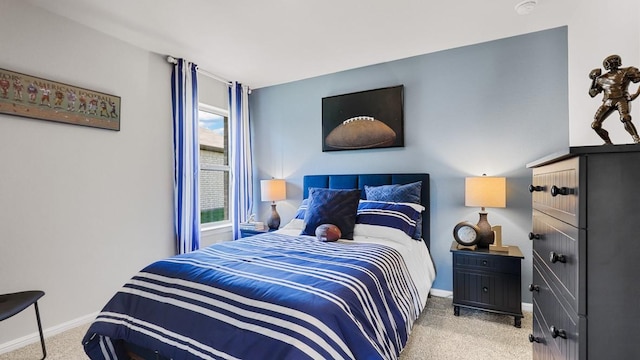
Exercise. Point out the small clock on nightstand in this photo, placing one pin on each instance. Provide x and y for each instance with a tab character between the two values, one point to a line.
467	235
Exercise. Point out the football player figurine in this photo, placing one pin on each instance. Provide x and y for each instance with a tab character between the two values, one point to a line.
614	84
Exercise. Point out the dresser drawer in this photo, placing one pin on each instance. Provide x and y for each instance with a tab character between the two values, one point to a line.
555	190
478	261
541	346
550	314
556	247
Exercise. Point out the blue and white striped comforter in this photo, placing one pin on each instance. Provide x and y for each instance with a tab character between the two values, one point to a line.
270	296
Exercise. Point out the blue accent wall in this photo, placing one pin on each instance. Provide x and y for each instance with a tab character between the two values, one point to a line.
485	108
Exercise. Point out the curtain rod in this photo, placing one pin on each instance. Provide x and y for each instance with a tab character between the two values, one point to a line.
173	60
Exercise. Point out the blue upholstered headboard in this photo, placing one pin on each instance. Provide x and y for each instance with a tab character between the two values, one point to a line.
358	181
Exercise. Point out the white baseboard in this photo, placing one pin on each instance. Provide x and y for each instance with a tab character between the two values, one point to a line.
448	294
54	330
441	293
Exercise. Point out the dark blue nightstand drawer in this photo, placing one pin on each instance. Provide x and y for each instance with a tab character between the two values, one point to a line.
251	232
475	261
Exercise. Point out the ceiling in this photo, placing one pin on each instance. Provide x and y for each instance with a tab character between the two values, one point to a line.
267	42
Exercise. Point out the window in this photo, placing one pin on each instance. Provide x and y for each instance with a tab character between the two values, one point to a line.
213	135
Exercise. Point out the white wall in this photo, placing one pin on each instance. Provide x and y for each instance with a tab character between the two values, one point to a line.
81	209
597	29
213	92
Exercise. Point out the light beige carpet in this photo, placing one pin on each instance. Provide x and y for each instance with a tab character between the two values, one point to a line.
437	334
474	335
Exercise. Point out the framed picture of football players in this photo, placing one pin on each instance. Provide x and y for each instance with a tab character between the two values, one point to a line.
33	97
363	120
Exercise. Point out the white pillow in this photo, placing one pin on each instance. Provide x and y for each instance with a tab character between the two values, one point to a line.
416	207
294	224
381	232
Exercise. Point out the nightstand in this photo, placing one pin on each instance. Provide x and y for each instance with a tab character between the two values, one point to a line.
250	232
488	280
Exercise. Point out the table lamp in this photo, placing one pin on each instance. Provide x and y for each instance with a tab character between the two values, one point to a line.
273	190
485	191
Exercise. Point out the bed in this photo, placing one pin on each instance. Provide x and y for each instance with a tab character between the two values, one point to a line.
286	294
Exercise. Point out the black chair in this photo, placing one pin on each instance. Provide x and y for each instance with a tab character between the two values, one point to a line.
11	304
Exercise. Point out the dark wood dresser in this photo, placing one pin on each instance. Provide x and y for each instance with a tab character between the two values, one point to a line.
586	253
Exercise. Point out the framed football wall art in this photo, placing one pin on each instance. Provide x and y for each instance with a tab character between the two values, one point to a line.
37	98
363	120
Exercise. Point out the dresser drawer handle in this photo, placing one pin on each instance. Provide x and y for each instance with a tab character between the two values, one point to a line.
485	289
555	257
485	263
534	236
533	338
555	191
533	188
533	288
555	332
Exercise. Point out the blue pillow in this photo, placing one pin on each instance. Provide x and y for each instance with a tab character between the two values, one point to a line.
302	209
398	216
409	193
332	206
395	193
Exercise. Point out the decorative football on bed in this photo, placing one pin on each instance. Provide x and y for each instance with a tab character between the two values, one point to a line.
328	232
361	132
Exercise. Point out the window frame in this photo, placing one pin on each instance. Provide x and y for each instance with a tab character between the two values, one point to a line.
225	113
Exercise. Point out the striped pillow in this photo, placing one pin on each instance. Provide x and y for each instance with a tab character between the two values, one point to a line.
395	215
407	193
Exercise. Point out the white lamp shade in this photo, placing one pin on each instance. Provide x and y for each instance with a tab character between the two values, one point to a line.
485	191
273	190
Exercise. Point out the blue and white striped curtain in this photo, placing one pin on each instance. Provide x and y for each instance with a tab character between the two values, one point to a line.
184	98
242	187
